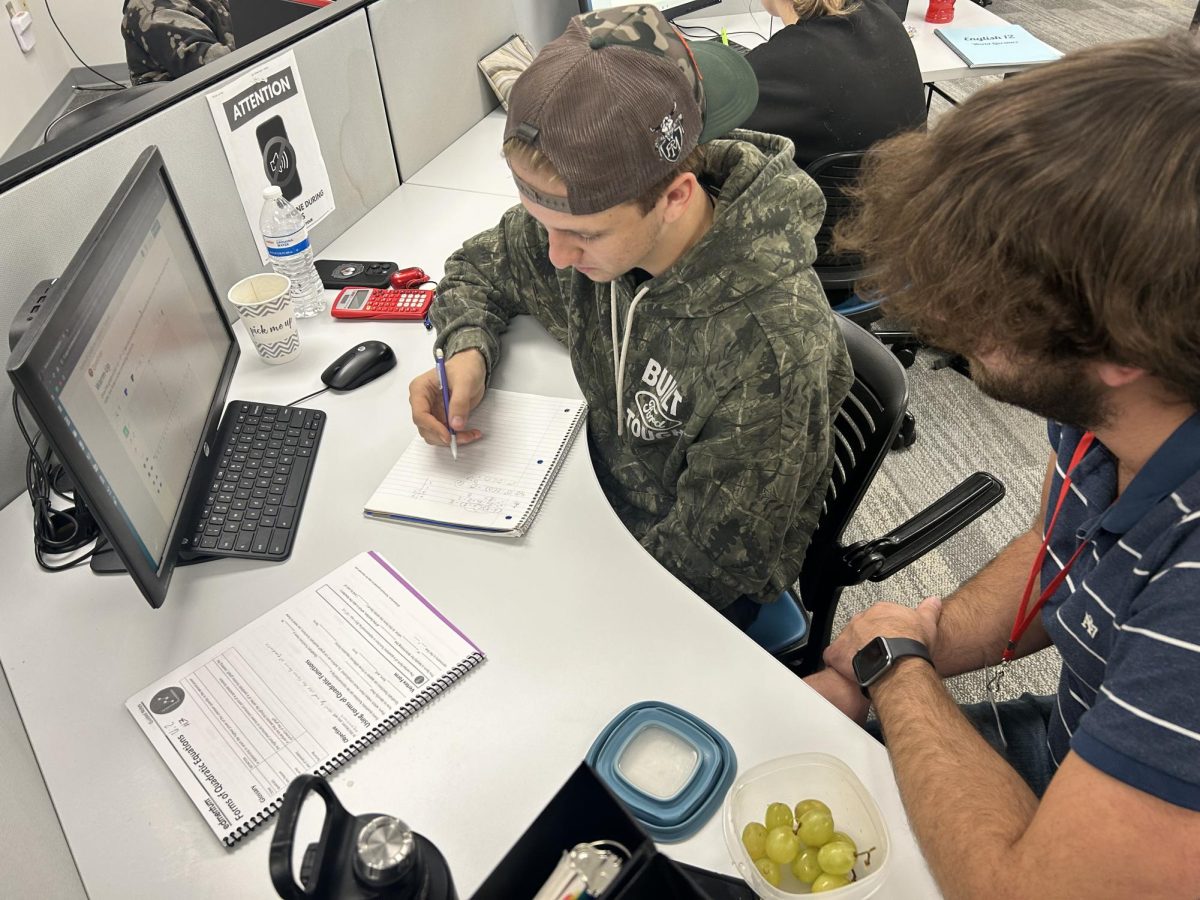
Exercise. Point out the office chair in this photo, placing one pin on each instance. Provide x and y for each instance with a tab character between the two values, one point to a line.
797	629
838	272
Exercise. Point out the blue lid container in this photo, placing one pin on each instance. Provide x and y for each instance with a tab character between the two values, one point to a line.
670	768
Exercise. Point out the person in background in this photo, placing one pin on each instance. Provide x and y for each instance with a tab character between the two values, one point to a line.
839	76
1046	229
166	39
673	258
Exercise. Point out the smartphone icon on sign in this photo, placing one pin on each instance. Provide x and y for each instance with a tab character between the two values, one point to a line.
279	157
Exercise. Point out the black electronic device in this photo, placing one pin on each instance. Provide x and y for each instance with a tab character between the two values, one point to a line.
875	658
126	369
669	9
360	364
368	857
279	157
340	273
28	312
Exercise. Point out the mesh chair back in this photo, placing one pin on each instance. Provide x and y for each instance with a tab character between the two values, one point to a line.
864	429
834	174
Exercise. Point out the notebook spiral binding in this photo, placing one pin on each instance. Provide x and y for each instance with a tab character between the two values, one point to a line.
429	693
539	496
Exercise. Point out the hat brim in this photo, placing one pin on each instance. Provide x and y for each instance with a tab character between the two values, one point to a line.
730	87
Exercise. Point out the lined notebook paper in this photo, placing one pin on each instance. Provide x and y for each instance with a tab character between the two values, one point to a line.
303	688
497	483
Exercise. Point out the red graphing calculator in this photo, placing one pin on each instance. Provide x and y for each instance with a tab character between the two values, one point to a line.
382	303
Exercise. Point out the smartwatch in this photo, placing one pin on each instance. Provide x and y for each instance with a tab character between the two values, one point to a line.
874	660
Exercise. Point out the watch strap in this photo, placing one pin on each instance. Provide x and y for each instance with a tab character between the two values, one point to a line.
898	648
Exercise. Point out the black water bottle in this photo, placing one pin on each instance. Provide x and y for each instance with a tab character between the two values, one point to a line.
368	857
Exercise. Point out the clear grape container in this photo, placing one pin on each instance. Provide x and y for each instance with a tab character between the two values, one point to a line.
789	780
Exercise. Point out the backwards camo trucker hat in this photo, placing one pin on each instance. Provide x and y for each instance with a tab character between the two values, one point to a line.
619	100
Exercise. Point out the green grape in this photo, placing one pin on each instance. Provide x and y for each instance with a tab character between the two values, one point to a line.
816	828
836	857
828	882
779	814
842	836
769	870
754	839
782	844
806	866
805	805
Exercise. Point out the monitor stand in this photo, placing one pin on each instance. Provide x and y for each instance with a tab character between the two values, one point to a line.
109	562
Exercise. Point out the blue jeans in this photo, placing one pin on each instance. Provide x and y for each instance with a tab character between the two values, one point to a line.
1025	726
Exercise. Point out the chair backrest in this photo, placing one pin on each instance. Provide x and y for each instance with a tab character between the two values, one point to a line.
90	112
864	429
834	174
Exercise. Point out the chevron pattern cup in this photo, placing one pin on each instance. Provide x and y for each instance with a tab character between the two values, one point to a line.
266	310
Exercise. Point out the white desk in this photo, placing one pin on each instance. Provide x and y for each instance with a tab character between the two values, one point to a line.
578	622
937	61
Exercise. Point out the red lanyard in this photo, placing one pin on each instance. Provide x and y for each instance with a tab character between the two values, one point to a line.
1025	616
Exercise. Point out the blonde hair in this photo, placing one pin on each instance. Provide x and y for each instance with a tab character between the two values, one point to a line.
812	9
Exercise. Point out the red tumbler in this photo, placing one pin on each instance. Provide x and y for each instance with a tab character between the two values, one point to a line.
940	11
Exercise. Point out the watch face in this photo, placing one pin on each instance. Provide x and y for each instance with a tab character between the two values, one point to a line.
870	661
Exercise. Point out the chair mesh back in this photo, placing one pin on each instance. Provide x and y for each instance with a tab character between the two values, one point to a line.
864	428
834	174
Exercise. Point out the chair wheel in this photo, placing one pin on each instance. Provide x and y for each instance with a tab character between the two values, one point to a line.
907	435
906	355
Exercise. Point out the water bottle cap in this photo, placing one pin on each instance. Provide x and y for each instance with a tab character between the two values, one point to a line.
386	850
272	192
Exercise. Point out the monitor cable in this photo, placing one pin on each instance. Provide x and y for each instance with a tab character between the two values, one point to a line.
55	531
80	58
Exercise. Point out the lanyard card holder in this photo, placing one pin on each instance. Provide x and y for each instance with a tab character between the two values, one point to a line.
584	811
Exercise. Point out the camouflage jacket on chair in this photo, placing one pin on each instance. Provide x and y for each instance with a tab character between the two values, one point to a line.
734	371
166	39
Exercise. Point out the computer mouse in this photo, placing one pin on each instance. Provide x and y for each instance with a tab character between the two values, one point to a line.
361	363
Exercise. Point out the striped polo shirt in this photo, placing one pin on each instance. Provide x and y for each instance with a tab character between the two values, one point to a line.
1127	618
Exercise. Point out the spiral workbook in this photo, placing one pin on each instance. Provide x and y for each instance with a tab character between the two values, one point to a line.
303	688
497	484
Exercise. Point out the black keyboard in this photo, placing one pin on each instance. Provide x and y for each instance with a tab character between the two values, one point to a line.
263	462
734	45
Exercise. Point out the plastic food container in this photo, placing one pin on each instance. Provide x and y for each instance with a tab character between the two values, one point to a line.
789	780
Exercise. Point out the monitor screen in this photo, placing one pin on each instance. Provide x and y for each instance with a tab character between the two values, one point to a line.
126	371
669	8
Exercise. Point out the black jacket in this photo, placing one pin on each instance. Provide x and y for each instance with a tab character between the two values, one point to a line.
837	83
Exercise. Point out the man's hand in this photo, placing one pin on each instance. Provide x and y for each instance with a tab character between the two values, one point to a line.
466	376
842	692
883	620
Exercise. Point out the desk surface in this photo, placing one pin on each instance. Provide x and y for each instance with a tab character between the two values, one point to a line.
937	61
577	621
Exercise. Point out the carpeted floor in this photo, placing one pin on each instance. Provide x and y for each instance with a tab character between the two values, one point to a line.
959	430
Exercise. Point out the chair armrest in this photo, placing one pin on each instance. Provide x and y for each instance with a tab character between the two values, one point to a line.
879	559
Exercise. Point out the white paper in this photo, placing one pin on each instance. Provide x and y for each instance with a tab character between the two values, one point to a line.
297	687
268	135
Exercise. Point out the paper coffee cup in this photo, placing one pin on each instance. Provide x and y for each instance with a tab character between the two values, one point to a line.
262	302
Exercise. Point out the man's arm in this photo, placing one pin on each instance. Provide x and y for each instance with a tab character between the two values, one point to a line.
983	832
177	40
976	620
496	275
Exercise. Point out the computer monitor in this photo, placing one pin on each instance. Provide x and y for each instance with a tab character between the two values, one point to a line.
669	8
126	368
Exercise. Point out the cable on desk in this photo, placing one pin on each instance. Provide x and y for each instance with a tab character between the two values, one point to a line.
76	55
716	35
55	531
306	397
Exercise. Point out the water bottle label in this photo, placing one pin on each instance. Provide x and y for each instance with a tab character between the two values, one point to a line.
279	247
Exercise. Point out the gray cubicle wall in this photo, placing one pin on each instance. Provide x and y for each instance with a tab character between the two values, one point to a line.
43	220
428	54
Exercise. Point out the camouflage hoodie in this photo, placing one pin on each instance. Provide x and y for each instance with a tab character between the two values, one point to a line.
166	39
710	433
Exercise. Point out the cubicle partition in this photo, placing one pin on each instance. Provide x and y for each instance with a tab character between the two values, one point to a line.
389	85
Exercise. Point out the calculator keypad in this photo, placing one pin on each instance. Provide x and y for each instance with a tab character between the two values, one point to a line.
390	303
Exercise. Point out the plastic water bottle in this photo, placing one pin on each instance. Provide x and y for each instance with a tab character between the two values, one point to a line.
286	238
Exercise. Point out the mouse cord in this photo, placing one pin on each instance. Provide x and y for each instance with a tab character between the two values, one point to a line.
307	396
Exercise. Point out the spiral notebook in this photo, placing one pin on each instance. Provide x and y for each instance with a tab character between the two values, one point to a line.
498	483
303	688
